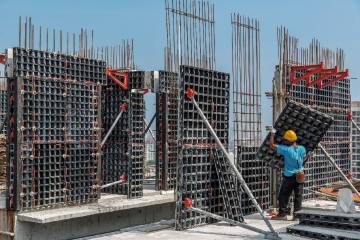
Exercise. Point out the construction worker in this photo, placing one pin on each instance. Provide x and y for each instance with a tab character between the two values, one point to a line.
293	172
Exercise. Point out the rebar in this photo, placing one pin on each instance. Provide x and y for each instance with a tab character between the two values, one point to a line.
247	108
190	34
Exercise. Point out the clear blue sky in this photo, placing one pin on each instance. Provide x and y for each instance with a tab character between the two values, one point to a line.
334	22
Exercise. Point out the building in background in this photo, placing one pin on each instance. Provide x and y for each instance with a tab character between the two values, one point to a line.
355	108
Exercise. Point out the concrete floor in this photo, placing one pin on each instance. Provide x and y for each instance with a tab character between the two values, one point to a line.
223	231
220	231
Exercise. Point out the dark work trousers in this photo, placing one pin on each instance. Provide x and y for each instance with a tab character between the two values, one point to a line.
288	185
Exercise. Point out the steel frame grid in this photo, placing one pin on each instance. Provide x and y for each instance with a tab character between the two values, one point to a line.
166	131
124	151
198	177
50	162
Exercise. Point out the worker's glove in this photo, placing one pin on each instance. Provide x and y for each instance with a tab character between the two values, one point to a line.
273	131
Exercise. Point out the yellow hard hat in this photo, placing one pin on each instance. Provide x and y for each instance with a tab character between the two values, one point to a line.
290	136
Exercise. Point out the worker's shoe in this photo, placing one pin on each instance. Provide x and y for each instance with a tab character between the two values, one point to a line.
280	217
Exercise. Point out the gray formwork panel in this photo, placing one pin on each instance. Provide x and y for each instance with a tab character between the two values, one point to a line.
329	219
197	176
125	148
166	130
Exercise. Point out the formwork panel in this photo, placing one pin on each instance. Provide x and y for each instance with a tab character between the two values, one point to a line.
166	130
198	176
125	148
55	157
256	174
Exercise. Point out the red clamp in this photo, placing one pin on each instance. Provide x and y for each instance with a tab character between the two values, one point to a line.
2	58
349	175
187	203
115	74
123	107
349	116
122	178
190	93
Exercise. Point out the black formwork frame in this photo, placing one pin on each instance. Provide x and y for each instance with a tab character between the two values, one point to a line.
124	151
203	174
54	154
166	130
53	125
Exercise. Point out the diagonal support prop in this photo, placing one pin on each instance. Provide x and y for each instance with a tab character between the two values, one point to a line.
233	222
355	124
123	108
148	125
332	161
190	93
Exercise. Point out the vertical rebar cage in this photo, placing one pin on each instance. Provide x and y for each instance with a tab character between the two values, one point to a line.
247	109
190	34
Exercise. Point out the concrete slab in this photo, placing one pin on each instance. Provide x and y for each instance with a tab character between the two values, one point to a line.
217	231
107	204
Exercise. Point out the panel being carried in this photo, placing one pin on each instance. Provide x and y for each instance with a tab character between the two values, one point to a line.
198	176
310	126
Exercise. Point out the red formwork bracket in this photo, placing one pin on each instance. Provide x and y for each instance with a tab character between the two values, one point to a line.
2	58
308	71
187	203
317	75
321	76
190	93
334	78
120	78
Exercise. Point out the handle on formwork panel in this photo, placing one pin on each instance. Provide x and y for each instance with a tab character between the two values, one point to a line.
115	74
